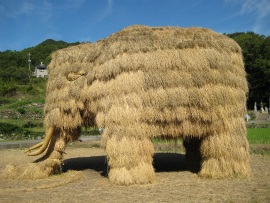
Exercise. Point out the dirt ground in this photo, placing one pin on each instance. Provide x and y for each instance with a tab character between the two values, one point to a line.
85	180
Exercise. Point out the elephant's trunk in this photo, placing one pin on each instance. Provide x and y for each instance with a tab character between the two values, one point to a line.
43	144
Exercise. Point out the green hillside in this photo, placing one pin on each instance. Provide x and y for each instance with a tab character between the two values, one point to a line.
41	52
15	78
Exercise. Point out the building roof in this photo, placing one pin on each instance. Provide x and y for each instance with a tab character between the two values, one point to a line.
41	66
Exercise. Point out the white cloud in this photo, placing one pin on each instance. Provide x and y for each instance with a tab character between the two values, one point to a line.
110	2
106	12
17	9
263	8
26	8
260	9
247	6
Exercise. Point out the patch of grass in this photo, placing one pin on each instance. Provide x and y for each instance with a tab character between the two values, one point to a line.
9	140
35	110
255	124
169	141
16	104
258	136
254	136
22	122
260	151
38	129
25	129
5	101
90	131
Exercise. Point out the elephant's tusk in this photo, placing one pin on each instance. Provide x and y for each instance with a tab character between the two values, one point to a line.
34	147
44	143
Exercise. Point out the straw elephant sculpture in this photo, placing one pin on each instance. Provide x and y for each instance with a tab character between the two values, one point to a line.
145	82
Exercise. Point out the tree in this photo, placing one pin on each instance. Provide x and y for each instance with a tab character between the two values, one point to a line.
20	75
256	53
7	87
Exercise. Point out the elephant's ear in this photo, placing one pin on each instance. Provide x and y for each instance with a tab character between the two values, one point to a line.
75	76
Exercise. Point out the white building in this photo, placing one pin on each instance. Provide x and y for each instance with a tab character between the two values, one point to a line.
41	71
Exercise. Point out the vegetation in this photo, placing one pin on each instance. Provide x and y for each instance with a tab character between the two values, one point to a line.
159	140
21	110
14	71
39	53
7	86
258	136
12	103
256	52
254	136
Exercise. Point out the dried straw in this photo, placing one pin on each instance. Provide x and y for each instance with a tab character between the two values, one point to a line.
144	82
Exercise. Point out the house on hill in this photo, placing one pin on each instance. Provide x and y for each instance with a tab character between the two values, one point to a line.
41	71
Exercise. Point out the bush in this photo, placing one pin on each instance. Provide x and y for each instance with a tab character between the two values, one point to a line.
8	129
26	132
7	87
4	101
29	88
34	92
21	110
29	124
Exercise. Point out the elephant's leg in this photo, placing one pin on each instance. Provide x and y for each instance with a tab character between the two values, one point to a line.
193	155
49	163
130	160
225	155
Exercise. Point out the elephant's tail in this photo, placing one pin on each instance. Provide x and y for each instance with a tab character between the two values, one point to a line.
43	144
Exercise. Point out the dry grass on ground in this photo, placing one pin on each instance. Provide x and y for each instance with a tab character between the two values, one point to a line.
85	180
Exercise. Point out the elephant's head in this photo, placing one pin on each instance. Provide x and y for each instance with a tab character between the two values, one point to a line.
67	96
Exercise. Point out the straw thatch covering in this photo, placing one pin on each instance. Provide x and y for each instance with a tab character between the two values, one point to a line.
144	82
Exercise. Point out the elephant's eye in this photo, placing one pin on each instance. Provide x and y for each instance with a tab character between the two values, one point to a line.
75	76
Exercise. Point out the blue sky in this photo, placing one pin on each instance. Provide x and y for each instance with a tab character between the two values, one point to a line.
27	23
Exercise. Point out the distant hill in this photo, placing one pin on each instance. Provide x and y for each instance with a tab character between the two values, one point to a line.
15	78
39	53
51	41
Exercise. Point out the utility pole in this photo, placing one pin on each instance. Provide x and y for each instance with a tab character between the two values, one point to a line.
29	61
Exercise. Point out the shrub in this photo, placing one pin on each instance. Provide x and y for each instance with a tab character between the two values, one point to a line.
21	110
30	88
4	101
29	124
8	129
7	87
